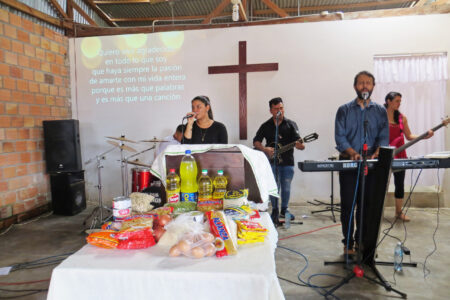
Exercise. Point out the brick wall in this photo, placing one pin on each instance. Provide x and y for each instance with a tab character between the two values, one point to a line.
34	86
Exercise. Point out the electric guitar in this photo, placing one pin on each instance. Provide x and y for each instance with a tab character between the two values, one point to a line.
281	149
420	137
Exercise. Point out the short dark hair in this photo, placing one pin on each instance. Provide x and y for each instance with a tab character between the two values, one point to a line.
275	101
205	100
367	73
180	128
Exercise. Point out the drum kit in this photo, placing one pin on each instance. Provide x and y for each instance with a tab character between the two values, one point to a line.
140	175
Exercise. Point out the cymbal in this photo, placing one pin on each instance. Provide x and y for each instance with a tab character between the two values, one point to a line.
122	139
154	140
124	147
137	163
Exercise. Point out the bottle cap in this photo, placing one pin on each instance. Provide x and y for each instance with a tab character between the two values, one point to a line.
187	152
204	171
172	170
220	172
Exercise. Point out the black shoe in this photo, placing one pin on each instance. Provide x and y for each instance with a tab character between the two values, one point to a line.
275	217
282	215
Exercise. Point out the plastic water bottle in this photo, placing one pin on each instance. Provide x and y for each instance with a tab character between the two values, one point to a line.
188	175
205	186
173	187
220	185
398	257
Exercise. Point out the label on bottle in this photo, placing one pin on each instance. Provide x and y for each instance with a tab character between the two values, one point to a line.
173	197
189	197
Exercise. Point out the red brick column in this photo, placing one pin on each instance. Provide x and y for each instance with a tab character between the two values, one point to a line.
34	86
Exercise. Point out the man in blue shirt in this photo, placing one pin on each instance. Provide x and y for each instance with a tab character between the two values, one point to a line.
358	122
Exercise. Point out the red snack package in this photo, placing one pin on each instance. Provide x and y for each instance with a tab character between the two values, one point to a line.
136	244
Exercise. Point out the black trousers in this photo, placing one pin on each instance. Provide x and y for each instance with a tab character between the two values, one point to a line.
399	182
347	182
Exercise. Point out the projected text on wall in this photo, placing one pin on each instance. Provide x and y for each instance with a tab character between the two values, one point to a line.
133	70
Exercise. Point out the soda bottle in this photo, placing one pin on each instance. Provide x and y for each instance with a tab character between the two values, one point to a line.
188	174
220	185
173	187
205	186
398	257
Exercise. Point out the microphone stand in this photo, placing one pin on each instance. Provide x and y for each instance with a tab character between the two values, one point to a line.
275	217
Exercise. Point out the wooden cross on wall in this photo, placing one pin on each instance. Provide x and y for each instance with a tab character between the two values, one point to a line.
242	68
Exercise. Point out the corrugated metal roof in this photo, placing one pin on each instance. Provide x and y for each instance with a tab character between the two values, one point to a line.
185	12
256	9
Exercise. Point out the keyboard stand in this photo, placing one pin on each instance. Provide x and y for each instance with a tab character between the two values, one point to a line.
332	207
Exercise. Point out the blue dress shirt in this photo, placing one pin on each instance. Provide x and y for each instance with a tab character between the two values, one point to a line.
349	127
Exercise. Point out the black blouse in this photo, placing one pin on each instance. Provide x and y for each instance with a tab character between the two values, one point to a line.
214	134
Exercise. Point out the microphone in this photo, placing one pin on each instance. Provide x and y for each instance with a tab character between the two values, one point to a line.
365	95
188	116
278	113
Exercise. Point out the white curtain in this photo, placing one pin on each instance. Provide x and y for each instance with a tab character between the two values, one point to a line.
421	79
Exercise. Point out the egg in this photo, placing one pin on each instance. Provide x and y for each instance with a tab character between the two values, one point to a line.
184	246
174	251
210	250
198	252
208	237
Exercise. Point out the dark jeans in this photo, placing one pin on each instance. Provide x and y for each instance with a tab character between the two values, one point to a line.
399	182
347	182
285	175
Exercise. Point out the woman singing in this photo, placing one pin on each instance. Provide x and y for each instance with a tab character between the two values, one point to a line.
201	127
398	128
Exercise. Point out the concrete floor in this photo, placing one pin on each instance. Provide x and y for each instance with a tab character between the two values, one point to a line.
53	235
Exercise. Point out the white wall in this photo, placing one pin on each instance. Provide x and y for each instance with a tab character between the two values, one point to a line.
317	63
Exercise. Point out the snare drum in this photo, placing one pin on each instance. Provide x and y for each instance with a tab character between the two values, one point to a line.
140	179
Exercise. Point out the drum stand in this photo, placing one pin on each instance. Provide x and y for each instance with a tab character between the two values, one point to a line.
97	212
328	206
125	161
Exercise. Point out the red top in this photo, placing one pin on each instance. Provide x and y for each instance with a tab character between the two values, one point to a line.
396	138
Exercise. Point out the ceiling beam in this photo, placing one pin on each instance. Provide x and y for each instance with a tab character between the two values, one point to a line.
276	8
150	19
216	11
420	3
120	2
59	9
99	12
242	7
83	14
37	14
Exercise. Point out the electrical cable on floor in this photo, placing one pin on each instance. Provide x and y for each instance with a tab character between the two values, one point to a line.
28	292
40	262
24	282
27	222
319	289
427	271
387	230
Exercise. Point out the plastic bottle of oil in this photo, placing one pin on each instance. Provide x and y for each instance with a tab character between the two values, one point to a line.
173	187
205	186
220	185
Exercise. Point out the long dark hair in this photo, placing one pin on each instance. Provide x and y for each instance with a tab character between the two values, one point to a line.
205	100
390	97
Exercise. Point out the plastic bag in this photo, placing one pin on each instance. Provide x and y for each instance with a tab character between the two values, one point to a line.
195	245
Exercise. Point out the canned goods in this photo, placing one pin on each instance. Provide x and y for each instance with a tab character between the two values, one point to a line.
121	208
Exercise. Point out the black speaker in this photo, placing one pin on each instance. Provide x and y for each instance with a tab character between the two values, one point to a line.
68	193
62	145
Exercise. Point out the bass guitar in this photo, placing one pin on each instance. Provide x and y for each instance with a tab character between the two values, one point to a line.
281	149
420	137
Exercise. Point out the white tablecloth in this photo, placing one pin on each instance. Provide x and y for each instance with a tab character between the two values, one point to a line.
95	273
